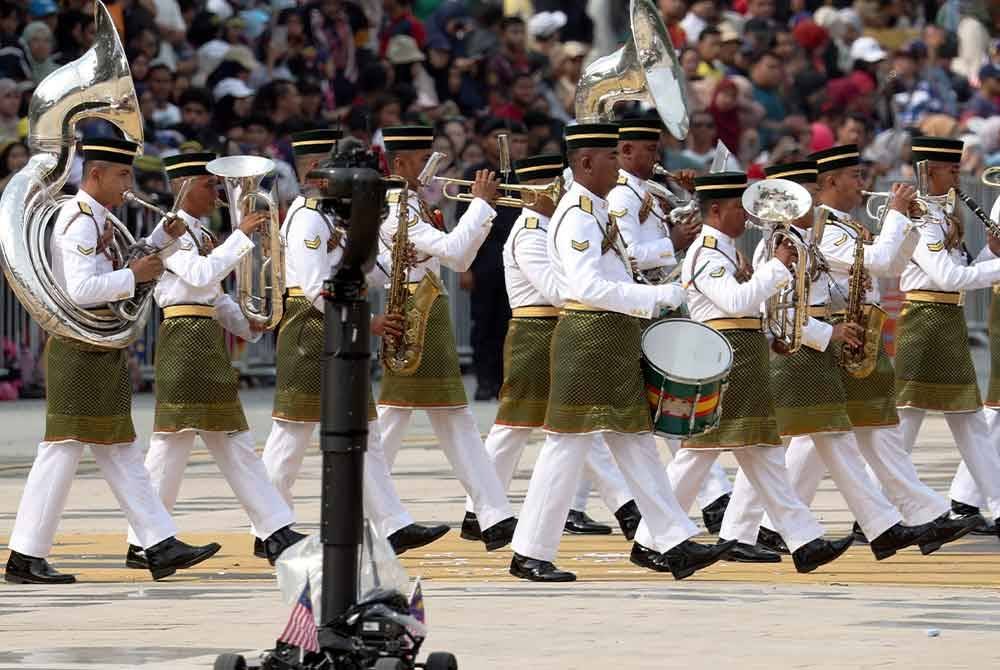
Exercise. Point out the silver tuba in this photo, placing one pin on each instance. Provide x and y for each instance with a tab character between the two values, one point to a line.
260	275
96	85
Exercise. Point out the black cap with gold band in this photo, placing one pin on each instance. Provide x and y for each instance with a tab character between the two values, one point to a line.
122	152
720	185
312	142
940	149
640	130
836	158
801	172
182	166
543	166
591	136
408	138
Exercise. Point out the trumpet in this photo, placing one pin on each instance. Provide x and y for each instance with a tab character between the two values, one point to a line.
878	204
682	209
529	193
991	177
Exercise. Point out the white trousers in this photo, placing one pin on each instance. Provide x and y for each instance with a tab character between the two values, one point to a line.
505	444
49	481
167	459
963	486
556	476
458	435
762	472
286	449
980	458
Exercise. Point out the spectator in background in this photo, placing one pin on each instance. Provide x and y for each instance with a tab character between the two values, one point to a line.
853	129
570	67
701	14
261	140
709	45
767	75
512	58
39	44
725	111
74	35
702	139
45	11
408	61
13	156
986	102
398	19
10	107
523	97
160	83
196	118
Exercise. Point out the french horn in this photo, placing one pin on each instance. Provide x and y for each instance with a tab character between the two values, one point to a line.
96	85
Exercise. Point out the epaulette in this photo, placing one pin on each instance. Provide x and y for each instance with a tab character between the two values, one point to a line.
312	203
586	204
85	208
531	222
709	242
622	180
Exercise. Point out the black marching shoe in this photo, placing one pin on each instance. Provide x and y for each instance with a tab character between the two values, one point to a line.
135	558
167	557
750	553
280	540
414	536
24	569
819	552
470	528
899	537
772	541
628	516
648	558
538	571
689	557
948	528
962	509
258	548
499	534
859	535
712	513
578	523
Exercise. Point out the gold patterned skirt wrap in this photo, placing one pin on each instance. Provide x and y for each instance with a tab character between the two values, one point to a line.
300	363
88	394
524	395
747	407
993	394
808	393
934	369
196	383
596	375
437	381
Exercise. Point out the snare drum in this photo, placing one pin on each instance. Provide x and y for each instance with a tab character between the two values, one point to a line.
685	366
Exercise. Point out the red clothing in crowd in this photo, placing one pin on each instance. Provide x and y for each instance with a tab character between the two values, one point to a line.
404	24
677	35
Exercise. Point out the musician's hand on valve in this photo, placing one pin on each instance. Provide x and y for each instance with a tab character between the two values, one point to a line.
686	179
902	198
786	253
388	325
175	226
683	234
849	333
251	222
410	254
146	269
485	186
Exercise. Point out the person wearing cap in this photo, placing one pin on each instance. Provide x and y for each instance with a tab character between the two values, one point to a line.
642	220
934	369
984	103
314	246
88	389
197	388
436	384
525	391
596	389
810	404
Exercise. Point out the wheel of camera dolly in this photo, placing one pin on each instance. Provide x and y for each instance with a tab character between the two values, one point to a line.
389	664
441	660
230	662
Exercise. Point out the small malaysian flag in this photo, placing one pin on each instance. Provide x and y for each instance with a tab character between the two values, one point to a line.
301	629
417	603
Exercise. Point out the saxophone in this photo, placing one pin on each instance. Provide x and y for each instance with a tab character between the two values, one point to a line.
859	362
402	355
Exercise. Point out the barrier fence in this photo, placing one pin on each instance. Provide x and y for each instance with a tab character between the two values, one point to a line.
22	339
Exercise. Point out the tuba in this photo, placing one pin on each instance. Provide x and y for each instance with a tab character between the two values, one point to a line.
260	275
96	85
772	206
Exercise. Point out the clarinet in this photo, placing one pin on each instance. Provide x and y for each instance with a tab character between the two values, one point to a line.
992	227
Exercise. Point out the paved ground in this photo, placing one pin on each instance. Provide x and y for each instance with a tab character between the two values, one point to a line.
858	613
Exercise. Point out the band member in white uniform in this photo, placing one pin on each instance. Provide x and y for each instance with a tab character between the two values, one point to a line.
655	249
525	392
197	387
89	390
435	385
596	387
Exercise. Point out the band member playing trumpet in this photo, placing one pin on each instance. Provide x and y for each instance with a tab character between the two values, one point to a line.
934	369
718	298
314	247
653	247
596	386
197	387
435	384
88	390
524	395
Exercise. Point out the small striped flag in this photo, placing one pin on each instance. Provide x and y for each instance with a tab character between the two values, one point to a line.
301	629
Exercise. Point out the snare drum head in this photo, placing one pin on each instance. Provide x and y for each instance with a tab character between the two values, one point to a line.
687	351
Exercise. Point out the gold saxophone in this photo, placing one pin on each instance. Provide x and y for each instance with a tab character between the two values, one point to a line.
402	355
859	362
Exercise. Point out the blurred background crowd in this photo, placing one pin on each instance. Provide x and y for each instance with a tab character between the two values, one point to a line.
772	79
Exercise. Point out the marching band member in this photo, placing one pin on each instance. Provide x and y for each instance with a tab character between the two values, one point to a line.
596	388
436	385
88	389
643	224
934	369
197	387
811	402
313	250
524	395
